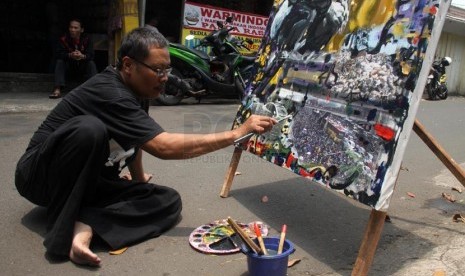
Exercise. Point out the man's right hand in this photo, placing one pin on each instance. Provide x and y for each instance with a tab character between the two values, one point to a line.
257	124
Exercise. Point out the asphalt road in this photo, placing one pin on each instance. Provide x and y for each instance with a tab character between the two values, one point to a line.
325	227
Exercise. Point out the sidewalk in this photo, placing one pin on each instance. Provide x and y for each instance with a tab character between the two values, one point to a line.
13	102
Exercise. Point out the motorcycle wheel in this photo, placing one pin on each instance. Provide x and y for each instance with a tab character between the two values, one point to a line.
174	90
430	92
442	92
239	89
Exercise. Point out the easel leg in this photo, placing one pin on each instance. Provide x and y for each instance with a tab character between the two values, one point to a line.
437	149
369	243
231	172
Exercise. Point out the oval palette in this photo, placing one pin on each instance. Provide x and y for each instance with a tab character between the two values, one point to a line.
219	238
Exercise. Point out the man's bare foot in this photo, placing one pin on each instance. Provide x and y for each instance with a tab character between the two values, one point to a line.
80	252
56	93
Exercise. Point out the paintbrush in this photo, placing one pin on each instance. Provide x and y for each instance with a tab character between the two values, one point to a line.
260	239
248	135
243	138
282	238
232	242
248	241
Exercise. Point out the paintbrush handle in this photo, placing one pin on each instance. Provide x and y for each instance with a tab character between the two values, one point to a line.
262	245
232	242
243	138
258	233
281	243
244	236
284	118
282	238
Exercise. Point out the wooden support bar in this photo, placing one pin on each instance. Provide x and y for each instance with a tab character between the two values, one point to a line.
244	236
236	157
369	243
439	151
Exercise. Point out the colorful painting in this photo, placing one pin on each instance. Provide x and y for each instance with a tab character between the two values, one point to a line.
344	78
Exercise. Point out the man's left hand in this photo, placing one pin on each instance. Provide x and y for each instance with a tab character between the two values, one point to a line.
147	177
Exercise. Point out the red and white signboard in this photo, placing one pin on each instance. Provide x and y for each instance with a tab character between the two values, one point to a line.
199	20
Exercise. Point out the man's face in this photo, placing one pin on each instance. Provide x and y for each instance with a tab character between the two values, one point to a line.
145	81
75	29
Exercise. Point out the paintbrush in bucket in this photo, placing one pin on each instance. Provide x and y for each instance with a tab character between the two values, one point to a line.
247	240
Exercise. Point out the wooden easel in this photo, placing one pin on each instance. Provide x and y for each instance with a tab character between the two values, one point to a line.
375	223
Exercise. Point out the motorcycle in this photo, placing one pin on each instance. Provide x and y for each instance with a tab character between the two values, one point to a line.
224	73
436	83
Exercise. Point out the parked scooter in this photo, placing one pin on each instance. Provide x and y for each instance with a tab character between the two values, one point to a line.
436	84
224	73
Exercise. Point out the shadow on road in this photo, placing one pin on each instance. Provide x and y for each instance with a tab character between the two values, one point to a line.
324	224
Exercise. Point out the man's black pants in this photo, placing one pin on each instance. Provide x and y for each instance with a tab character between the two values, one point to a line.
67	175
81	69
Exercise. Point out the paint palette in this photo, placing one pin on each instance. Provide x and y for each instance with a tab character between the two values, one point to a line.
218	237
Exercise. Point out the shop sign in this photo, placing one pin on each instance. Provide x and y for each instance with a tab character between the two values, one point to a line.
199	20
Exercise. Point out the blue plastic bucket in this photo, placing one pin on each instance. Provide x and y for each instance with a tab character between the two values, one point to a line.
269	265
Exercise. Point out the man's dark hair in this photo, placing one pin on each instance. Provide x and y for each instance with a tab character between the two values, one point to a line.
77	20
136	44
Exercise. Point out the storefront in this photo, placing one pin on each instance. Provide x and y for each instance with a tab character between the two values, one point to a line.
452	44
29	29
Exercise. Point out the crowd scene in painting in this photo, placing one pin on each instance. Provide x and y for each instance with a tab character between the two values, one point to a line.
331	140
344	151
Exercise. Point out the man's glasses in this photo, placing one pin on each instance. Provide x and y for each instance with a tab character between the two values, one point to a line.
158	71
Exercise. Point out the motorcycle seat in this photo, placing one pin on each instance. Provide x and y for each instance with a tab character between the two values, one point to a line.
199	53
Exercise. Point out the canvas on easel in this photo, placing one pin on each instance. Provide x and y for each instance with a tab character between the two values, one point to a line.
344	79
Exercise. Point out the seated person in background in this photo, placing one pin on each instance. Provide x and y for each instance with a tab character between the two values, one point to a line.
75	54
